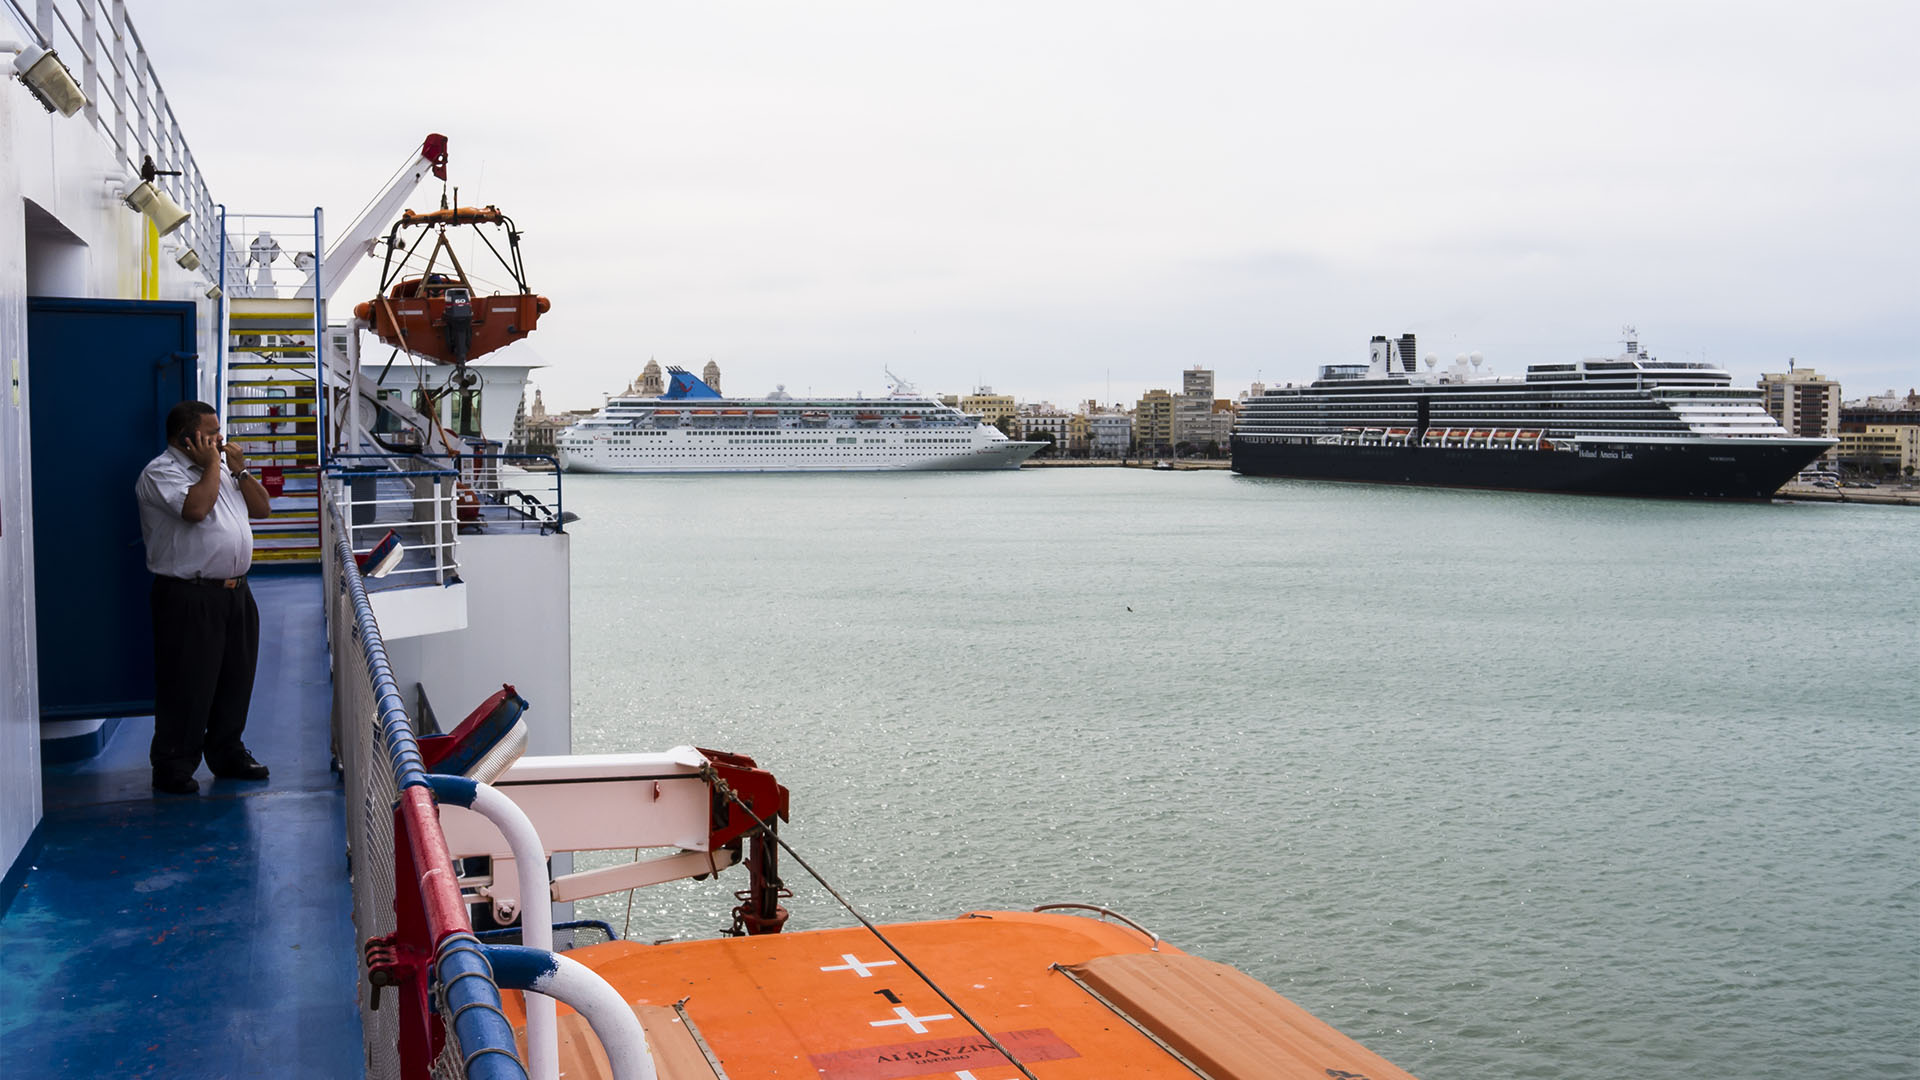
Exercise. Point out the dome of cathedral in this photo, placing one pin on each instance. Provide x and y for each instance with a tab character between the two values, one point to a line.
650	384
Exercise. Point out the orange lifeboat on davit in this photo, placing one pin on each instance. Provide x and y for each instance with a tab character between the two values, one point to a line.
436	313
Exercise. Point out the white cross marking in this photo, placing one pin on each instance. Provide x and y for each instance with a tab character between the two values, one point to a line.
855	965
906	1017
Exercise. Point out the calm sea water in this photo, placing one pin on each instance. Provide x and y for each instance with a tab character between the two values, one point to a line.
1502	785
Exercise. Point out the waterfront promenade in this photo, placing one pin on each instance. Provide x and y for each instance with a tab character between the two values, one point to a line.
1183	465
1903	495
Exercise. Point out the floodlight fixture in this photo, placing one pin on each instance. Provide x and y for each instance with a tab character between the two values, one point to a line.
213	292
47	79
188	260
159	207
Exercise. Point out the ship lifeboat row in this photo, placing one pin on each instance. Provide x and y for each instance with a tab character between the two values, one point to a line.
437	314
1442	437
1374	436
673	417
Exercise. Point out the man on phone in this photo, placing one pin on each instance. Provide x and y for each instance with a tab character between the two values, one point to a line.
195	502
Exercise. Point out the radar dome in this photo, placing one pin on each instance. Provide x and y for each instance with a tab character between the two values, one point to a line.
1432	360
1475	359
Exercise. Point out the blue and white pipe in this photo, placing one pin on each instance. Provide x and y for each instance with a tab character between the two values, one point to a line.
518	967
536	903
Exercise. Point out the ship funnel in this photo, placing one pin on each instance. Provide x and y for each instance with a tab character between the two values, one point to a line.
1380	357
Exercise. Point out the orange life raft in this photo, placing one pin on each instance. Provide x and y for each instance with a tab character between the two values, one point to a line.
1071	998
438	315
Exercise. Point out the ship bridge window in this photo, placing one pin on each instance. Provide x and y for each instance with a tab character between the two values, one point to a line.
1343	371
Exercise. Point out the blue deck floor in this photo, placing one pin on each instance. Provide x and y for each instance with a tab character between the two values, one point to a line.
194	936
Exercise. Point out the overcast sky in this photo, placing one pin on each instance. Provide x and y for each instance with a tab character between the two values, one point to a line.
1073	200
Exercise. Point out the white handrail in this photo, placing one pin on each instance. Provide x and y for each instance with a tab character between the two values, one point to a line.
536	908
581	988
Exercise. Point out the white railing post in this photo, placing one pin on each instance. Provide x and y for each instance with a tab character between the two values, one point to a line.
319	342
441	486
118	26
143	129
167	155
89	59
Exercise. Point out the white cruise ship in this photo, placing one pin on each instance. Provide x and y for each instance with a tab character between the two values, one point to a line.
691	428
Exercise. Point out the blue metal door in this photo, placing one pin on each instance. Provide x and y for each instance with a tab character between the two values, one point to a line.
101	375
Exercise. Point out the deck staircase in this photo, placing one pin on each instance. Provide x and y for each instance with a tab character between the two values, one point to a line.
271	414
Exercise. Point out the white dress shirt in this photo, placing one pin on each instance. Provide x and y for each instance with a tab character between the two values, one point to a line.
219	545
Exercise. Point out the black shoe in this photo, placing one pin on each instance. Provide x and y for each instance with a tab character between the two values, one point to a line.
241	767
176	785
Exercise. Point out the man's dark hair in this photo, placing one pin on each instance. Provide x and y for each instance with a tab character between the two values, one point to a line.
185	417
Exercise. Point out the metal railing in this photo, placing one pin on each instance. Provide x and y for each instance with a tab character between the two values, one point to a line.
254	261
125	101
525	488
428	504
372	494
259	268
406	898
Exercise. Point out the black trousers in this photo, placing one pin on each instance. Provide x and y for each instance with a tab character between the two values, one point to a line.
206	639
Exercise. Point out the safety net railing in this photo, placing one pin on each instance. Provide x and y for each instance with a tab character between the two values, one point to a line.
434	1008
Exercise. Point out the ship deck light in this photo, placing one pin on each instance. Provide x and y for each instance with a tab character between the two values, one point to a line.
46	77
148	199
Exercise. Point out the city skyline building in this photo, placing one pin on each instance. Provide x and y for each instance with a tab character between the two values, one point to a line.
1804	402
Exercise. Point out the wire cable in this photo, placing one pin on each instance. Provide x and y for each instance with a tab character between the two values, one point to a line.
720	784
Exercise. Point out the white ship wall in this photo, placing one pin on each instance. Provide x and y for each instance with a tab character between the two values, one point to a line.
63	232
518	589
503	388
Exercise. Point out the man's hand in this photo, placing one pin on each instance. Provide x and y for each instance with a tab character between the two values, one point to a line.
203	448
235	459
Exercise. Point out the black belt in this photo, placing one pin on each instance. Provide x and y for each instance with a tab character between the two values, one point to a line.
207	582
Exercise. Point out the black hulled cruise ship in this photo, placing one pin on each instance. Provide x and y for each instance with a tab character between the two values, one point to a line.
1630	425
